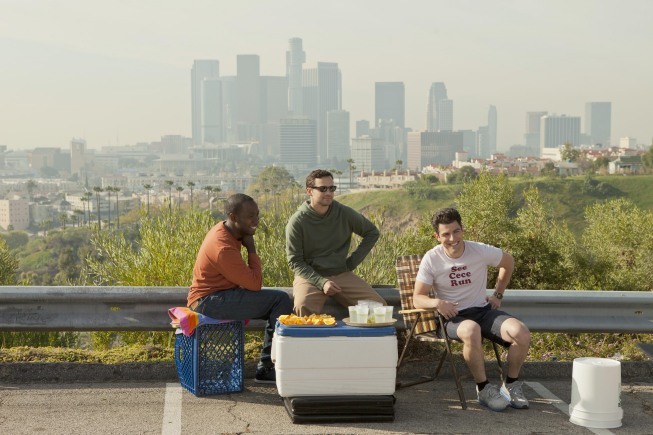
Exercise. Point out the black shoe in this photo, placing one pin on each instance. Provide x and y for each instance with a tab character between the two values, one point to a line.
265	375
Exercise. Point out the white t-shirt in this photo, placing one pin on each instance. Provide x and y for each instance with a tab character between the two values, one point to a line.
462	280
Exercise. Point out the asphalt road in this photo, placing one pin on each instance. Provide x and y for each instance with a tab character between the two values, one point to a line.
143	407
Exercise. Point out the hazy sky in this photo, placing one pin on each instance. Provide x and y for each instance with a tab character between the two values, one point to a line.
118	72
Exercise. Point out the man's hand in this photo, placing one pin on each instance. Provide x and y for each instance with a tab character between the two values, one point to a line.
447	309
331	288
248	243
494	302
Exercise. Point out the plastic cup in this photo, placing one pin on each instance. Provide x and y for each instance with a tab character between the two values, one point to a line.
365	302
379	314
362	313
388	313
353	314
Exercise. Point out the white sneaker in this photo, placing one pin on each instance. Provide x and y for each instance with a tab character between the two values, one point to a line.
491	397
514	393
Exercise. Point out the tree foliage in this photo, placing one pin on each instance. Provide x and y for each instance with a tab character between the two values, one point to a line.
8	265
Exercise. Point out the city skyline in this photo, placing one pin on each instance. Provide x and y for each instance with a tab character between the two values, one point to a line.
76	69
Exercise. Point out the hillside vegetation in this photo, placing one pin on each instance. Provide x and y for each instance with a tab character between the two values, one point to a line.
567	198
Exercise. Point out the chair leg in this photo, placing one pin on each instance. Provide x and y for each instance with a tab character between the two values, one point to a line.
422	379
459	387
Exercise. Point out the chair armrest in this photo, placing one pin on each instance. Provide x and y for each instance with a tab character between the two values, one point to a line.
415	310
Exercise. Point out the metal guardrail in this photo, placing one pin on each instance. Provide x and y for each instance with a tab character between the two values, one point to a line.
145	309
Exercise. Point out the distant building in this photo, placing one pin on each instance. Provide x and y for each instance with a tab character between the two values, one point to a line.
625	165
14	213
212	116
532	134
389	103
338	135
202	69
368	153
386	179
492	128
437	92
295	58
559	130
628	142
322	93
362	128
298	143
598	122
445	115
433	148
78	157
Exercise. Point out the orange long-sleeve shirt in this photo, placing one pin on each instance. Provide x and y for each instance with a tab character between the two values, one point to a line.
220	266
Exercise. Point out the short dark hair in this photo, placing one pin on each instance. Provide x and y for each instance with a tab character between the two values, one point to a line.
317	173
235	202
446	216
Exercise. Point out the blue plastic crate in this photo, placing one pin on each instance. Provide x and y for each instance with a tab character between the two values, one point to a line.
211	361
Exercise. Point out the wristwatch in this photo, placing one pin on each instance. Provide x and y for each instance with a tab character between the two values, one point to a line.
498	295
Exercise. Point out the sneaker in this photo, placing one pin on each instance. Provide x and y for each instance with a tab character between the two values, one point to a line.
492	398
265	375
514	393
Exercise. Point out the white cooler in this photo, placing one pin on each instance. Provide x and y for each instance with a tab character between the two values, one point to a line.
331	361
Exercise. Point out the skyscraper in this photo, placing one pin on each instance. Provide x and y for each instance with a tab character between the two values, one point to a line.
248	85
559	130
445	115
492	129
437	92
598	122
295	58
362	127
298	142
368	153
532	134
202	69
389	103
212	117
322	92
338	135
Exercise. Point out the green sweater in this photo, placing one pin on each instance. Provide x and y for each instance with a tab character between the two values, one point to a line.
318	245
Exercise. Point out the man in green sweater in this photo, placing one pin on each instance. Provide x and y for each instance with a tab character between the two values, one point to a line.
318	237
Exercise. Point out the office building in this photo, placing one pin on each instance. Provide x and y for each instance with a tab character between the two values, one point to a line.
14	213
212	116
295	58
298	143
433	148
389	103
338	135
437	92
248	88
202	69
559	130
598	123
368	154
492	129
445	115
78	157
532	134
322	93
362	127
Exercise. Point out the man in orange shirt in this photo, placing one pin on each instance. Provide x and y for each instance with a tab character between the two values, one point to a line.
225	287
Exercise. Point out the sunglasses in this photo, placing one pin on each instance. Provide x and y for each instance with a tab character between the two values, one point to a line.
325	188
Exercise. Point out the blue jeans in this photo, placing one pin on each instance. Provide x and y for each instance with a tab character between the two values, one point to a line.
240	304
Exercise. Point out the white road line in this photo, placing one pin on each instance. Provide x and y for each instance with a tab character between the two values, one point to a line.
562	406
172	410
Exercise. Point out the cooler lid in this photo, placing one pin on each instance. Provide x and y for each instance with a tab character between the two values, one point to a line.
340	330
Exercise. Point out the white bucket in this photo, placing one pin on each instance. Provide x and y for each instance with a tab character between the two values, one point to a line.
596	393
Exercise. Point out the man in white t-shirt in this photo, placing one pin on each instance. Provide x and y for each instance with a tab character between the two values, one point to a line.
456	272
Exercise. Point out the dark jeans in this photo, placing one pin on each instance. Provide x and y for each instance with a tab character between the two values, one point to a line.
240	304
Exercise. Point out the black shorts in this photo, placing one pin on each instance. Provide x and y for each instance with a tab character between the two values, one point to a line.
489	320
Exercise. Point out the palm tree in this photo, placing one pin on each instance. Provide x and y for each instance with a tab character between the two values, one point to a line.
63	219
30	185
169	184
109	189
398	165
98	190
179	190
148	187
190	185
209	190
351	171
115	190
88	196
78	213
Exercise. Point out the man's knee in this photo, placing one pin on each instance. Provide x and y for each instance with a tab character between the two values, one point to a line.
469	332
517	332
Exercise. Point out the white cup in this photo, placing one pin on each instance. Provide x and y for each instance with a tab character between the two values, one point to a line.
388	313
362	313
379	314
353	314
